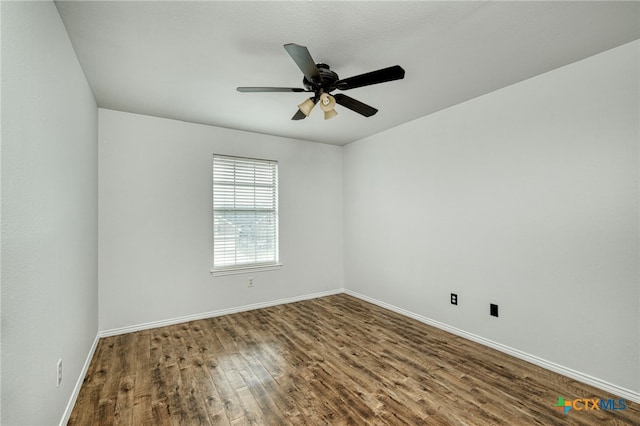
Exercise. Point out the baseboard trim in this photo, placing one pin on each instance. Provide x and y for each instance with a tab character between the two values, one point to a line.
211	314
556	368
76	390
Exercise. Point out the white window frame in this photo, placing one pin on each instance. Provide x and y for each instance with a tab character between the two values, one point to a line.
242	184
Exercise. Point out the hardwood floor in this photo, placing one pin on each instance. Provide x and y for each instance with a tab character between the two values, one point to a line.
331	361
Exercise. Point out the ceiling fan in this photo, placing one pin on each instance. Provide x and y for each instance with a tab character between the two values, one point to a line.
320	80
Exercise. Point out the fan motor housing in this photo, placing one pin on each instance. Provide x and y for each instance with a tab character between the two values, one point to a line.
328	83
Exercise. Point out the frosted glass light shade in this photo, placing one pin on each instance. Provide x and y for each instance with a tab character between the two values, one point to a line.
330	114
306	107
327	102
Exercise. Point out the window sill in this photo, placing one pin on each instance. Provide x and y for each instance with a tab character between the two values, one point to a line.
245	270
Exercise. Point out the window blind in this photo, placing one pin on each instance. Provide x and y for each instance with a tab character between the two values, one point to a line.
245	212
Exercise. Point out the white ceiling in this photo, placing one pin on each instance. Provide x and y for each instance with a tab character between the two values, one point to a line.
183	60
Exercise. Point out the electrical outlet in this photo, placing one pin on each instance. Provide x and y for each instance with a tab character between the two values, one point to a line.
454	299
493	310
59	368
250	281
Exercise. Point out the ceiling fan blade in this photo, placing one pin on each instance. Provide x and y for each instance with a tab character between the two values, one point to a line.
299	115
354	105
270	89
374	77
302	58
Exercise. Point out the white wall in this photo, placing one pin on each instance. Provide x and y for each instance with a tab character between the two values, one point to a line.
49	215
526	197
155	221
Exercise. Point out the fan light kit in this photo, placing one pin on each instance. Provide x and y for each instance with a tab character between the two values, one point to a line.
320	80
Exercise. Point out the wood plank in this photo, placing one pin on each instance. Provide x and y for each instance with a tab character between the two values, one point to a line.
142	404
84	412
108	394
200	375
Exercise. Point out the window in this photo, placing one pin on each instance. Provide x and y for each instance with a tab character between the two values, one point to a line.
245	214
